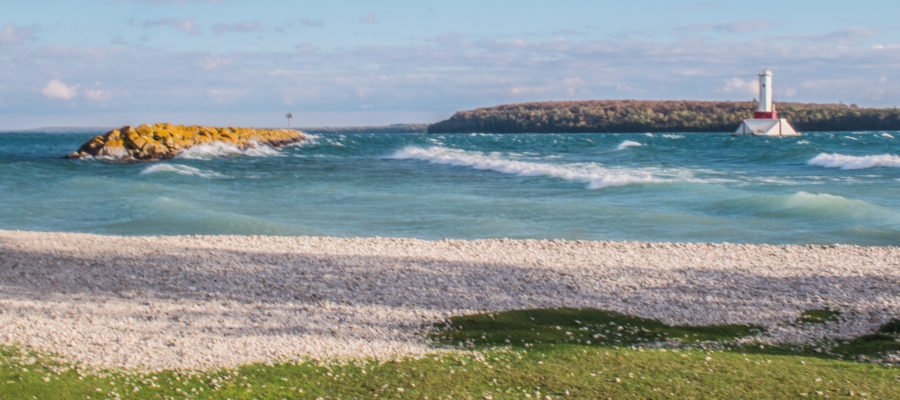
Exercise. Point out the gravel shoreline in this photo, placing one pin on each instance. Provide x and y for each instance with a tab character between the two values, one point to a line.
196	302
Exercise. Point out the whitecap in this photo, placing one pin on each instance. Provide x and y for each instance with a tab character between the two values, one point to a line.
309	139
595	176
803	142
180	170
673	136
628	143
220	149
843	161
260	150
887	135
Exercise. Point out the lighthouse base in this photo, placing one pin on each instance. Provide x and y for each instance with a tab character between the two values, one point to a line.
765	127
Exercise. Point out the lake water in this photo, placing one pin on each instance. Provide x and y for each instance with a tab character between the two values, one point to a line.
833	187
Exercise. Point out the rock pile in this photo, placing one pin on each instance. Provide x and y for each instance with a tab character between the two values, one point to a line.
162	141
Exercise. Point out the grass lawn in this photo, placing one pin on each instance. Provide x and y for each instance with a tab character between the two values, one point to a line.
555	353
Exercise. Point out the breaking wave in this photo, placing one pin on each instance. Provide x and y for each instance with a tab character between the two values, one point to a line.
595	176
180	170
628	143
843	161
220	149
829	206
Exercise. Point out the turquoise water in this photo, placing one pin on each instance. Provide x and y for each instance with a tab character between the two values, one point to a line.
835	187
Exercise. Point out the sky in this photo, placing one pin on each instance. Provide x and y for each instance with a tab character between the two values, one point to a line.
105	63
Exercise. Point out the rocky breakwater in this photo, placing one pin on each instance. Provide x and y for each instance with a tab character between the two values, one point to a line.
162	141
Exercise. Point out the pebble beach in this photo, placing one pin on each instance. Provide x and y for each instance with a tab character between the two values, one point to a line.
198	302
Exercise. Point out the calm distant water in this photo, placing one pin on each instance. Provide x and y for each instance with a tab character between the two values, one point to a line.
841	187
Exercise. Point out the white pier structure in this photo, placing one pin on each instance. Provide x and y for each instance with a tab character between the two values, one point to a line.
765	121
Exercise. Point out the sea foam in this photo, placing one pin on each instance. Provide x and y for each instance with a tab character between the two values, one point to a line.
309	140
843	161
180	170
595	176
628	143
220	149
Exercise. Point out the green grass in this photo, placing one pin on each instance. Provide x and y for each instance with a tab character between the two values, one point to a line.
517	354
885	340
574	326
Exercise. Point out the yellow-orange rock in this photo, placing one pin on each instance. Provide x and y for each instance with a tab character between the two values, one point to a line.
162	141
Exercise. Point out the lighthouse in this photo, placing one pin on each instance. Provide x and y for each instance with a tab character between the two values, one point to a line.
765	121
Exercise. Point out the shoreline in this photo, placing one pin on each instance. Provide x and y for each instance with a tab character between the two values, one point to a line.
197	302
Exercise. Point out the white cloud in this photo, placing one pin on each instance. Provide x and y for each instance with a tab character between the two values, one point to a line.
188	26
741	87
843	37
58	90
210	63
98	95
888	46
306	48
369	19
238	27
745	26
226	95
311	23
447	72
527	91
180	2
12	34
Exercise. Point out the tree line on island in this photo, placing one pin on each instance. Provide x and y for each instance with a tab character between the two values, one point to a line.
659	116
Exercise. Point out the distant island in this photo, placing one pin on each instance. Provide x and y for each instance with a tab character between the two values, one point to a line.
394	128
658	116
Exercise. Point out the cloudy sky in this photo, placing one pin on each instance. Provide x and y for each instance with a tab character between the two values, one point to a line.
229	62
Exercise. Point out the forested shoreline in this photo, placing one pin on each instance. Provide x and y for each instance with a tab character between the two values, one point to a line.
659	116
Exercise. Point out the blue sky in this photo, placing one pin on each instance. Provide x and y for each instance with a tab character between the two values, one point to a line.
223	62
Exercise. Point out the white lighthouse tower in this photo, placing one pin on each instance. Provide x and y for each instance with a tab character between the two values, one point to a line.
765	121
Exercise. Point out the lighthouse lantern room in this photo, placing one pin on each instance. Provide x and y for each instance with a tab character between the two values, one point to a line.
765	121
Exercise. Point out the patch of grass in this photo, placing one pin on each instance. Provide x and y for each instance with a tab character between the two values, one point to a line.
891	327
558	366
885	340
818	316
574	326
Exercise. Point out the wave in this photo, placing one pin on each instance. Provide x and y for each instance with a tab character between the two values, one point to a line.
819	205
887	135
626	144
595	176
843	161
673	136
180	170
309	140
220	149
